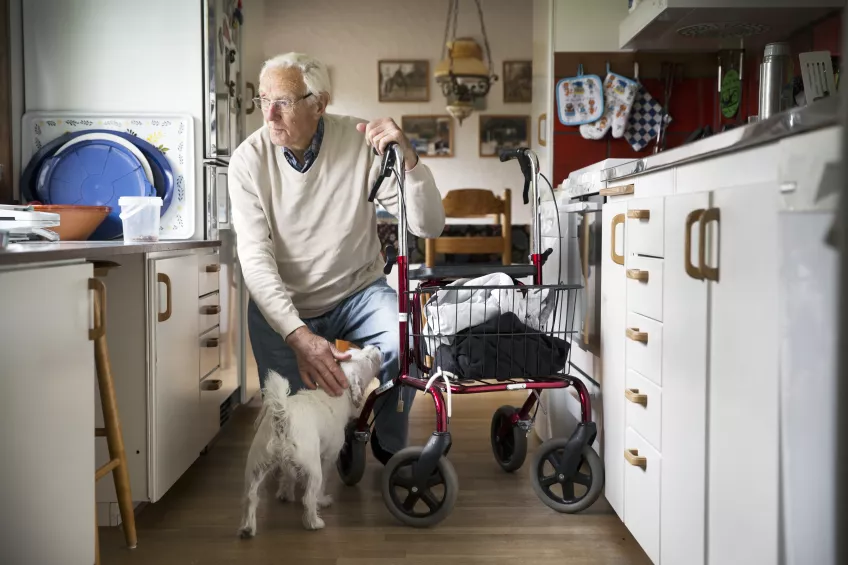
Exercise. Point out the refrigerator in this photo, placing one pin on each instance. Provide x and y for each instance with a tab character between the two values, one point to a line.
158	58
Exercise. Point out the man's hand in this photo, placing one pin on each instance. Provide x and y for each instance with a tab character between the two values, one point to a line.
379	133
316	360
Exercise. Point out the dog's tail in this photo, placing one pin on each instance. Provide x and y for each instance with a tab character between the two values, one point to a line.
276	391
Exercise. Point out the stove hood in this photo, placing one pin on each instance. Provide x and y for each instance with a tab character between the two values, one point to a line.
709	25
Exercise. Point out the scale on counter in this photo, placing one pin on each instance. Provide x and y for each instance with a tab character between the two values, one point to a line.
23	223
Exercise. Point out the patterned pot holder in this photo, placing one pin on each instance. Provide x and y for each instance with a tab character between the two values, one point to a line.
580	99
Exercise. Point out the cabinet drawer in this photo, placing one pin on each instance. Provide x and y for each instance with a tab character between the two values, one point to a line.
643	407
644	286
210	269
645	227
644	346
642	492
210	352
210	309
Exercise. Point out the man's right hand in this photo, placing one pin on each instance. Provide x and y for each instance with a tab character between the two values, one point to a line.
317	361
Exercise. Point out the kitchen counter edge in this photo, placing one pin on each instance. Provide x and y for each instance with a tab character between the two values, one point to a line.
45	252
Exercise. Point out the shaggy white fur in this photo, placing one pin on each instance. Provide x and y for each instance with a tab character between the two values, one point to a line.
301	435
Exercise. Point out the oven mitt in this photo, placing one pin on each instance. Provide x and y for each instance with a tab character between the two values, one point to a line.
645	119
580	99
619	93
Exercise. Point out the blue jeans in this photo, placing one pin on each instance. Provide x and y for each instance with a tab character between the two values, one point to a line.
369	317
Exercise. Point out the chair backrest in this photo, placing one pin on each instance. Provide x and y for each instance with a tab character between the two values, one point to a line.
475	203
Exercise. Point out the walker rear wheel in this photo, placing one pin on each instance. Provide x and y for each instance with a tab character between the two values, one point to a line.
570	494
351	460
509	440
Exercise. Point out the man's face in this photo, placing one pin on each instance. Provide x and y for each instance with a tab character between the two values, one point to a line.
294	127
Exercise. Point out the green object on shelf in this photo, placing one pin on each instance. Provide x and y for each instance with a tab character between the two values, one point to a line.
731	93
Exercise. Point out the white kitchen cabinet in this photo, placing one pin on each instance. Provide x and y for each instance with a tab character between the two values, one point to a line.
47	416
613	321
642	474
743	446
684	385
174	392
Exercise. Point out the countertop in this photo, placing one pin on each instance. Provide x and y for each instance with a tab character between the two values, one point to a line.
39	252
819	115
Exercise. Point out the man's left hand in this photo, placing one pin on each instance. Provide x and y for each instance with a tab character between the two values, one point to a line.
379	133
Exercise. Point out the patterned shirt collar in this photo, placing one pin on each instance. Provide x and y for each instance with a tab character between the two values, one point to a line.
311	153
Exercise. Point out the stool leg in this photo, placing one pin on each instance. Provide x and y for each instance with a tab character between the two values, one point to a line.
112	423
96	539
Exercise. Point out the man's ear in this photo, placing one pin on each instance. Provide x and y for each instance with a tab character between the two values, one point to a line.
323	102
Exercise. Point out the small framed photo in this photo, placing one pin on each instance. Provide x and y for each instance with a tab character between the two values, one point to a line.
518	82
499	133
404	80
431	135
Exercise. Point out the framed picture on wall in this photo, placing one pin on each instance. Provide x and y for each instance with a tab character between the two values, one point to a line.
404	80
431	135
499	133
518	82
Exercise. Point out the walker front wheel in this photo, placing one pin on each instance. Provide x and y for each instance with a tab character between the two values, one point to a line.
419	505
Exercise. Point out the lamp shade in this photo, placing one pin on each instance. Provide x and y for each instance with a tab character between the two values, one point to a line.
467	60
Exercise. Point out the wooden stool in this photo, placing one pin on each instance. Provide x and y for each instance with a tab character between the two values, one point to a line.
117	464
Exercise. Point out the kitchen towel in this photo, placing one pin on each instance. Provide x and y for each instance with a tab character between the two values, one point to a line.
619	94
645	119
580	99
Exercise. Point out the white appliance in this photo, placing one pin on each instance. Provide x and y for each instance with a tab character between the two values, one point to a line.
21	223
156	57
717	24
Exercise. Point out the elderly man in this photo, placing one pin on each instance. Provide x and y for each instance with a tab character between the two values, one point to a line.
307	236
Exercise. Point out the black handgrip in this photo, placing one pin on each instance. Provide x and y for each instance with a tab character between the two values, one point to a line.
546	254
391	259
511	154
385	168
524	162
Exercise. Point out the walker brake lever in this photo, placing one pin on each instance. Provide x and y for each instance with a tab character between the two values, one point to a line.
524	162
391	259
385	169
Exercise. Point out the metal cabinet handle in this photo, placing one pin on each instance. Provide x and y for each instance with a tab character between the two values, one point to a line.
211	384
709	215
618	219
639	214
210	310
632	394
632	456
637	275
166	280
691	269
99	329
214	268
211	342
635	335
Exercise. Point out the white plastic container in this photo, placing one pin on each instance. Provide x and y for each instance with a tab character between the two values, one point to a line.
140	217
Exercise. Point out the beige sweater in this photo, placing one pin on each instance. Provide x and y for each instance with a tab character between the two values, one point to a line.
307	241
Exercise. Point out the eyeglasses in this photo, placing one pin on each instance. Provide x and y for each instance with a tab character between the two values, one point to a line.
283	105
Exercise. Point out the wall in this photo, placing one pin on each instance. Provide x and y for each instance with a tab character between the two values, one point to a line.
352	36
587	26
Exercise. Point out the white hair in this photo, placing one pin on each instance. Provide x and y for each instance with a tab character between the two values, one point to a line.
314	72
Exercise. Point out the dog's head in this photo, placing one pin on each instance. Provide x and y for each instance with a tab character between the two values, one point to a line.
362	368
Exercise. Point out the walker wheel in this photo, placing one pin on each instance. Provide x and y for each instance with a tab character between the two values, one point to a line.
509	441
419	508
566	494
351	460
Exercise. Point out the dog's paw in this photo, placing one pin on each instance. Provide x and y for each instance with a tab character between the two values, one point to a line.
247	532
313	523
325	501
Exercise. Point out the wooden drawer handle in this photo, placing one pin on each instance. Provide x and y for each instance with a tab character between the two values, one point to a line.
210	310
691	270
709	215
635	335
639	214
213	268
211	384
166	280
632	456
632	394
213	342
637	275
616	221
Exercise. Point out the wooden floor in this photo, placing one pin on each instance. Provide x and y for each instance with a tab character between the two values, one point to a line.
497	518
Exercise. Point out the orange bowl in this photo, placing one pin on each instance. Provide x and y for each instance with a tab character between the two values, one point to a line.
76	223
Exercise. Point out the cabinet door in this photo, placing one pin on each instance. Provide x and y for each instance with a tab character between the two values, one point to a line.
174	385
613	321
47	416
743	376
684	370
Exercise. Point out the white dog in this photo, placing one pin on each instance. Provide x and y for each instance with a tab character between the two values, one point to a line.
301	436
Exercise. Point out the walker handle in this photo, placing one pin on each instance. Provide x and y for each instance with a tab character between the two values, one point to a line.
385	168
524	161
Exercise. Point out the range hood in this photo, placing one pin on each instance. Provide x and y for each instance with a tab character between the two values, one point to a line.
708	25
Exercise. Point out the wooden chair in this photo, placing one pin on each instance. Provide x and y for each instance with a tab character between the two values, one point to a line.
475	203
117	464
